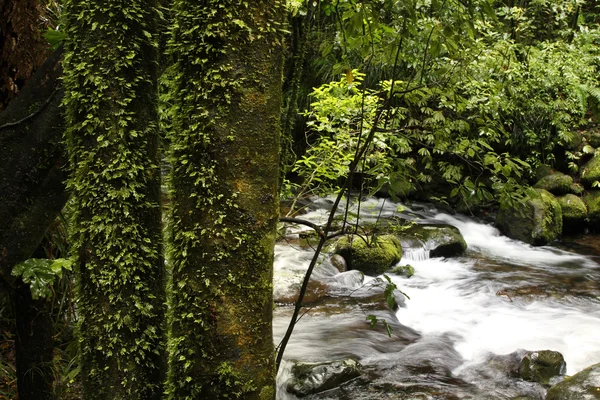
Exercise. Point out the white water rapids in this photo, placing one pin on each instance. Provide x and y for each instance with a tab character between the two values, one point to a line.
464	299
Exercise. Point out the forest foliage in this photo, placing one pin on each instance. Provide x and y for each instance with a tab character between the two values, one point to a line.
476	94
461	100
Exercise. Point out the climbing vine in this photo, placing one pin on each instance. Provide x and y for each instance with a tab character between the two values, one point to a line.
225	100
110	102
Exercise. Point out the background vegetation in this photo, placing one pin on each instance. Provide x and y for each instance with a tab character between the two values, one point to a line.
453	101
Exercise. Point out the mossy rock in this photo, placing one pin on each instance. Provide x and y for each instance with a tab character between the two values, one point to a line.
542	171
404	270
312	378
576	188
574	212
441	240
373	255
537	220
590	172
593	138
557	183
592	201
584	385
541	366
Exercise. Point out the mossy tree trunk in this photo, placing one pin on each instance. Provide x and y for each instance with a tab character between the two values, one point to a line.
112	139
225	156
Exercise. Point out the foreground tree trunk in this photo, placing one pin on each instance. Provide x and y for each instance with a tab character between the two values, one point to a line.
32	193
111	96
225	153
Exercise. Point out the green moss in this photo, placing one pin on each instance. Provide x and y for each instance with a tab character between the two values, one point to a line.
372	256
590	173
110	79
556	183
573	208
592	202
583	385
536	220
576	188
541	366
404	270
441	240
225	93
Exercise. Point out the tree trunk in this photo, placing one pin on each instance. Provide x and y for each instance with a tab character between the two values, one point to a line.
34	345
112	139
22	47
225	154
32	194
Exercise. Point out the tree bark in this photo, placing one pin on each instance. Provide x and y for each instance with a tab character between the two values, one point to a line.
22	47
112	138
32	190
225	154
32	193
34	345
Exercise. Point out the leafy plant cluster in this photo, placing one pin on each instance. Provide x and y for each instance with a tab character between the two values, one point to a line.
476	95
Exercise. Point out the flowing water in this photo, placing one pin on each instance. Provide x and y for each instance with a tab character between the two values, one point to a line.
500	296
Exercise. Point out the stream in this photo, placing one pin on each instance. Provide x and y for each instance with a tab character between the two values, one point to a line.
500	296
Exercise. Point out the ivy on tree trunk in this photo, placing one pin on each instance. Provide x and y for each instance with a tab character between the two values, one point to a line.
226	102
112	139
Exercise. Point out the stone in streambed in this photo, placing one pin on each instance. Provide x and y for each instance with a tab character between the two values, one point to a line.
542	366
574	212
404	270
440	239
584	385
372	255
557	183
312	378
536	220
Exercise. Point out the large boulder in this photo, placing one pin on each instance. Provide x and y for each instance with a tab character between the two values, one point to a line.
537	220
312	378
557	183
372	255
590	172
592	202
574	212
584	385
542	366
441	240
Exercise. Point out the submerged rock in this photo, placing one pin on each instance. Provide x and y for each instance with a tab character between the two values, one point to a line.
404	270
537	220
542	366
574	211
312	378
372	255
584	385
441	240
557	183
